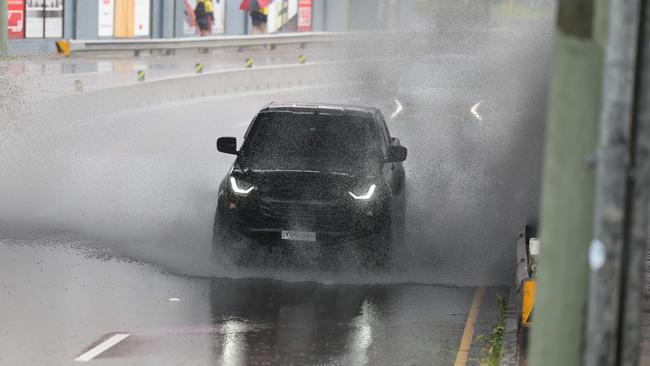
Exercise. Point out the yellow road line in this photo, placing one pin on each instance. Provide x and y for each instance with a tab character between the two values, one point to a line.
468	333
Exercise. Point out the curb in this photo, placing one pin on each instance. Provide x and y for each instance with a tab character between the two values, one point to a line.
515	335
510	344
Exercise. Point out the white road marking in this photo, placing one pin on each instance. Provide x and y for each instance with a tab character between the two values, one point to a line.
398	110
474	112
102	347
174	299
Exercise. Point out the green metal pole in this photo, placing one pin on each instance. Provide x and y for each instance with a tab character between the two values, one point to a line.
614	215
568	184
3	28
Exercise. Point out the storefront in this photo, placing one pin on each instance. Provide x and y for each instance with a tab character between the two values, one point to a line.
35	18
133	18
44	20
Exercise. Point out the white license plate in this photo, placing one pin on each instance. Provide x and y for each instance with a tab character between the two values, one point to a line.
298	235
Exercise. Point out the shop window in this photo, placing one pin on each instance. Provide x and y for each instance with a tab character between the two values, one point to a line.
43	18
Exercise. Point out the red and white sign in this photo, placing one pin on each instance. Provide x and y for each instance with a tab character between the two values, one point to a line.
142	15
304	15
16	18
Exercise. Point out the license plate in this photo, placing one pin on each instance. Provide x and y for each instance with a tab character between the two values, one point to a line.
298	235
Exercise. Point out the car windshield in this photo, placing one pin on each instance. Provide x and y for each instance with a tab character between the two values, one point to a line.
309	141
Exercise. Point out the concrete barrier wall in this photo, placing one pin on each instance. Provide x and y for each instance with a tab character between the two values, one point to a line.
221	83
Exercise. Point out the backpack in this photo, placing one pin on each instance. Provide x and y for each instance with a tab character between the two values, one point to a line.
200	12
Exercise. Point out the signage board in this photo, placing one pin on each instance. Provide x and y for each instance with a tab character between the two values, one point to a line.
142	15
105	19
16	18
304	15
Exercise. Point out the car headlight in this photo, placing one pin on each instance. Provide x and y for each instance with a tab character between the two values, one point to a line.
365	195
240	187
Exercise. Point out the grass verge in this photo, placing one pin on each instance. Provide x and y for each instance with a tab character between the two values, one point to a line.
493	340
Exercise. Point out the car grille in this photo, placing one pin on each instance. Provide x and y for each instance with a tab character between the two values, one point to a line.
312	215
293	193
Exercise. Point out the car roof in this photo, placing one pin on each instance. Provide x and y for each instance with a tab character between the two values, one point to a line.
329	108
324	107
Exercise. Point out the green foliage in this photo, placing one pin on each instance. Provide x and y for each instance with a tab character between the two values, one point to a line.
493	340
506	11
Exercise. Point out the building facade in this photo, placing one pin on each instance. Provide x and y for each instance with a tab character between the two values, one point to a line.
33	25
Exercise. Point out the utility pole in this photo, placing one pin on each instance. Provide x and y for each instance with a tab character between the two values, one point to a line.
621	217
3	28
639	224
568	184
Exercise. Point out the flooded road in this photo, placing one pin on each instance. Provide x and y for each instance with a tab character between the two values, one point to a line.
65	301
106	230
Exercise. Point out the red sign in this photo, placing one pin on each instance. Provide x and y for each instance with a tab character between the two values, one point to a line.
16	18
304	15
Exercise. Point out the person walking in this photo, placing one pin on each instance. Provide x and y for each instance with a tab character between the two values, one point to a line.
209	8
201	18
259	19
259	10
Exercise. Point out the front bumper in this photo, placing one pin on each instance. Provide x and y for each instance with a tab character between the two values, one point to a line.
265	218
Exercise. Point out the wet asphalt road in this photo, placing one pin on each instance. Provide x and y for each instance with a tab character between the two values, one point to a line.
60	300
108	225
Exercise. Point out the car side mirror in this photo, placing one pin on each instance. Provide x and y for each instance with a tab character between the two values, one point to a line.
396	154
227	145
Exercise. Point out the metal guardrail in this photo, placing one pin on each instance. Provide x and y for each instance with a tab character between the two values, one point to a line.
171	44
220	83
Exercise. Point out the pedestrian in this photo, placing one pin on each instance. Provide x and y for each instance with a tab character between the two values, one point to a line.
259	19
209	8
201	17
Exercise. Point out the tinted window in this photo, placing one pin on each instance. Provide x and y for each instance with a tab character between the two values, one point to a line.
384	131
290	140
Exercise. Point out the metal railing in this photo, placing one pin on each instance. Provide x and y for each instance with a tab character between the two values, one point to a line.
170	44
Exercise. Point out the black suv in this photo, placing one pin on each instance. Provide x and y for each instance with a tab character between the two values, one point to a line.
322	173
